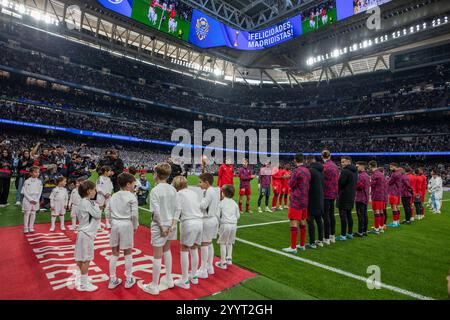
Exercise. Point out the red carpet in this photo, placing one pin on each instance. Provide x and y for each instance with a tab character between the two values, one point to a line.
40	266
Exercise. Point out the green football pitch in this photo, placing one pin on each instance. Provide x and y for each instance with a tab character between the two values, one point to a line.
140	13
331	18
413	260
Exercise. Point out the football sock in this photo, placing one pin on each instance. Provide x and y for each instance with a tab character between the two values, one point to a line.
223	252
294	235
229	251
53	221
210	254
302	235
32	219
194	261
74	221
112	266
84	280
26	218
247	206
128	266
156	271
184	265
168	263
240	206
377	221
274	201
61	219
205	253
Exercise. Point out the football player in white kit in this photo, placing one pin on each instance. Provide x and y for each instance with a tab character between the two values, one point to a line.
163	227
210	207
191	228
122	210
228	215
104	189
31	191
88	215
436	189
74	202
58	202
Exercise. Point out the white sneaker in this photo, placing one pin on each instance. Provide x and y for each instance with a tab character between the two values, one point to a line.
63	228
221	265
168	282
182	284
114	284
280	207
18	203
193	279
25	231
150	288
210	270
268	209
289	250
333	239
108	226
229	261
326	241
259	210
129	283
319	243
52	229
202	274
89	288
31	231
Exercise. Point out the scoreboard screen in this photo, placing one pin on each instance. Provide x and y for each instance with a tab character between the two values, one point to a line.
181	21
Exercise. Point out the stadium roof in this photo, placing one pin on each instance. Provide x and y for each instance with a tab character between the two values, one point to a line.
287	63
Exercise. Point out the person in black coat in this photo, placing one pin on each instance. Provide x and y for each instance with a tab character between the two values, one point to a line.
117	166
6	166
346	197
177	170
315	202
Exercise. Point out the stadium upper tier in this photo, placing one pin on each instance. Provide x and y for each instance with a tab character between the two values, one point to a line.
47	55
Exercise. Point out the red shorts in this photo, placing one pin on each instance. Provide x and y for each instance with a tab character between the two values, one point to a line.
285	190
245	191
394	200
276	189
378	205
297	214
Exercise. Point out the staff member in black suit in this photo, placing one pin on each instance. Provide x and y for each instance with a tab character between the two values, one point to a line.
315	202
346	197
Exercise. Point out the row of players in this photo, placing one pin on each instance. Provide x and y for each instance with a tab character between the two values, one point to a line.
314	188
201	218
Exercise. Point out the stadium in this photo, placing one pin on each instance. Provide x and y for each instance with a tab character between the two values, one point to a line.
224	150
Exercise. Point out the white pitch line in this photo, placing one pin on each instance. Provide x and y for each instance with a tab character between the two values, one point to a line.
261	224
336	270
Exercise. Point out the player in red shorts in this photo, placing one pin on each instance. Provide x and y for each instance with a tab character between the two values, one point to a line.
245	175
298	208
377	185
225	174
286	175
276	185
394	191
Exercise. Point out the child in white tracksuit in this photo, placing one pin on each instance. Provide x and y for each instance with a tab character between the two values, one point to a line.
31	191
228	215
74	202
104	188
436	189
88	215
191	227
58	203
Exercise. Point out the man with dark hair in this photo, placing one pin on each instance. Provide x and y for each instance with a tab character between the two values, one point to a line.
394	191
330	189
176	170
346	197
378	186
298	208
406	191
362	198
315	202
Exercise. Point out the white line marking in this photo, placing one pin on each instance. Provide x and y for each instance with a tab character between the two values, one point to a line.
261	224
336	270
145	209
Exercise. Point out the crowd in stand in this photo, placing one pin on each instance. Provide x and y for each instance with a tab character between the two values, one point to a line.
398	93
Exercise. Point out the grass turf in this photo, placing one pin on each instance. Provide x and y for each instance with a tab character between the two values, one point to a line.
414	258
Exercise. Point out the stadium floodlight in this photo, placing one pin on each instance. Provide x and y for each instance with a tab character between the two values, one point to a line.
4	3
21	9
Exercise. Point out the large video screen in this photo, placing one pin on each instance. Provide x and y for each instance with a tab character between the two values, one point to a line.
171	17
175	18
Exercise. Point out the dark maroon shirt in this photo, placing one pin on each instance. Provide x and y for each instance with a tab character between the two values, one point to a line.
394	183
300	182
406	188
245	175
378	186
362	188
331	177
